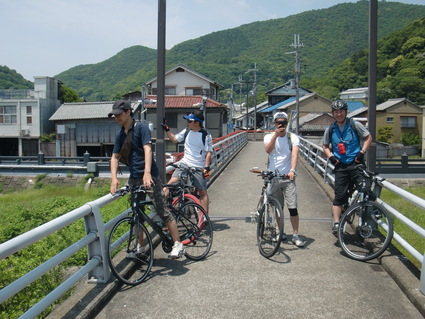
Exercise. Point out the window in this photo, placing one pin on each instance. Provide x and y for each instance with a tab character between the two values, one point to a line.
8	114
407	121
193	91
29	110
29	120
390	120
170	91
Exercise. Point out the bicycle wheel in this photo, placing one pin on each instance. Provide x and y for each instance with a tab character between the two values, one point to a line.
365	231
130	260
188	198
195	230
269	228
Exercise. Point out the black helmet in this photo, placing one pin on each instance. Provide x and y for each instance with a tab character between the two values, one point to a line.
339	105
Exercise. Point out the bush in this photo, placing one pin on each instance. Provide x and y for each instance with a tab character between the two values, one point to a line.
26	210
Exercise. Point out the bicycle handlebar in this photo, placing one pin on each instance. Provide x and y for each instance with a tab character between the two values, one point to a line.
268	174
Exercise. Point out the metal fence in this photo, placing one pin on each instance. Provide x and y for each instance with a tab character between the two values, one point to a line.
97	268
313	154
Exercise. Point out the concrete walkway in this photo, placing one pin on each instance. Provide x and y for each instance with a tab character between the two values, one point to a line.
235	281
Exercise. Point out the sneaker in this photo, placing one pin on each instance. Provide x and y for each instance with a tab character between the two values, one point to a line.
134	254
296	239
335	228
177	250
140	250
284	236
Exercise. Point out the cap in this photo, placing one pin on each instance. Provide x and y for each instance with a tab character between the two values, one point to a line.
280	115
119	107
192	116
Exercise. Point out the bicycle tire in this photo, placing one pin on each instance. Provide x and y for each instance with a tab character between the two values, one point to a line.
195	230
361	234
269	228
188	198
127	264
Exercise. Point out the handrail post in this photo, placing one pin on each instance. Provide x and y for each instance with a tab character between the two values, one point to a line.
94	224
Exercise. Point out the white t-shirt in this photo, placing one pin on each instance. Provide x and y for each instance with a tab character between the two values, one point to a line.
280	157
194	149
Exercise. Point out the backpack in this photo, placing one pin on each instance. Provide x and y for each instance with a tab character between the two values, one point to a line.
353	127
204	135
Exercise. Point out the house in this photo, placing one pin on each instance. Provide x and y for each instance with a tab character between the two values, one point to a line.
284	92
355	94
215	113
24	116
400	114
307	104
85	126
182	81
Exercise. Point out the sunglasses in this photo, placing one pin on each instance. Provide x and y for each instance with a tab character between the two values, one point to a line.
284	123
190	121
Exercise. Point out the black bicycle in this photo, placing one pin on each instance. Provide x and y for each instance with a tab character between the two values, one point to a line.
269	216
366	227
130	244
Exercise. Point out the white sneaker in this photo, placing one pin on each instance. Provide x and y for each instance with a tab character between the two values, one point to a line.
296	239
177	250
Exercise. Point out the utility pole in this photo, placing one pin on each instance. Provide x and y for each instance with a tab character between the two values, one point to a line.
254	89
160	109
297	45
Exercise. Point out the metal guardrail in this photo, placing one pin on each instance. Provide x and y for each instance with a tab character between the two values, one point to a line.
97	268
313	154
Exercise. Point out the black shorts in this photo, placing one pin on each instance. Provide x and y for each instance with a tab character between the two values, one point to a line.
346	175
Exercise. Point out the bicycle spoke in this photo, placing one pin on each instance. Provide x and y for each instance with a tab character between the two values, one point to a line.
365	231
195	230
269	229
130	251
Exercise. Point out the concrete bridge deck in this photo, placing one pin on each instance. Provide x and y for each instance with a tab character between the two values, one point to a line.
235	281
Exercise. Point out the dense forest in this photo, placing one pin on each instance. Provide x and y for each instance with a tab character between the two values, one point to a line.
400	68
10	79
332	58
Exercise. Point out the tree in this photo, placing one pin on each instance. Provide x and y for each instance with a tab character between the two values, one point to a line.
385	134
67	95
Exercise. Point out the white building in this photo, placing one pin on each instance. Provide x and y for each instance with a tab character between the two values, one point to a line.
24	116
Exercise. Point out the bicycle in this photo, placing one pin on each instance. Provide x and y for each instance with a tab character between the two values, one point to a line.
130	244
366	227
186	181
269	216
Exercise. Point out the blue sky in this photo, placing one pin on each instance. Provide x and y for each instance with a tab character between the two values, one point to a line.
50	36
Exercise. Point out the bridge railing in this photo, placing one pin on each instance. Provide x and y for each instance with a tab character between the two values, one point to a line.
314	156
97	268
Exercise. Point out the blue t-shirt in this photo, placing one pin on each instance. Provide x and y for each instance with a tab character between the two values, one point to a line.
141	136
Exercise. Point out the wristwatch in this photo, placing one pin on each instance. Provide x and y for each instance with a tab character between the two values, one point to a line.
293	170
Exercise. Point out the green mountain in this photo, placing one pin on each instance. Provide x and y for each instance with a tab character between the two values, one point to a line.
400	68
329	36
10	79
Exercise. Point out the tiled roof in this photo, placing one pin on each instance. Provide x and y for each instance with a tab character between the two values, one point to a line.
389	103
182	101
99	110
83	110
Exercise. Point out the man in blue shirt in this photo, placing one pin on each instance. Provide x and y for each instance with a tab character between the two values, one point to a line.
133	148
344	149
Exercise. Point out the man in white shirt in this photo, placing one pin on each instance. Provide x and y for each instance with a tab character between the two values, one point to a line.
197	152
283	155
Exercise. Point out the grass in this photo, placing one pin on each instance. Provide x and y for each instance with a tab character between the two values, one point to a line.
414	213
26	210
